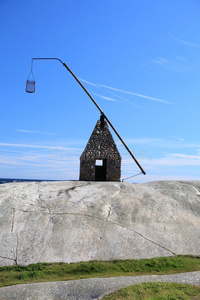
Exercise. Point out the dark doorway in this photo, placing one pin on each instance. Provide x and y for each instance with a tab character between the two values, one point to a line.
100	170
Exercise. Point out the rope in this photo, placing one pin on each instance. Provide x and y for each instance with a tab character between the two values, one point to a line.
31	72
131	176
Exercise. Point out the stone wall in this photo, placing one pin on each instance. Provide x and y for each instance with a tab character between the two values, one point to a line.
113	170
87	170
100	146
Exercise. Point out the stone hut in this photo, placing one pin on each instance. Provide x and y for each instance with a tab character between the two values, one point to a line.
101	160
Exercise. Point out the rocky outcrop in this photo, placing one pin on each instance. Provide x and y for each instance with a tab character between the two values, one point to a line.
75	221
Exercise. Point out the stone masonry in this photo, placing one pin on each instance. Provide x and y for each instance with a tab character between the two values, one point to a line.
101	146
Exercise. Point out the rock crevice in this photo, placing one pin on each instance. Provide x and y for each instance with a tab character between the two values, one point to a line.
13	219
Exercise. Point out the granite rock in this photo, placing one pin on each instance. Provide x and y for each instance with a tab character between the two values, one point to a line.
71	221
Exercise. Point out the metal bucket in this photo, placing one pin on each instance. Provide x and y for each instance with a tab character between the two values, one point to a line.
30	86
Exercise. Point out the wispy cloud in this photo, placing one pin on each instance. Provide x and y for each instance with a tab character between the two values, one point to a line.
175	159
184	42
173	62
33	131
181	139
37	146
63	162
88	82
126	92
108	98
181	58
170	166
135	94
10	161
105	98
185	156
145	141
164	143
176	63
168	160
124	99
38	161
160	61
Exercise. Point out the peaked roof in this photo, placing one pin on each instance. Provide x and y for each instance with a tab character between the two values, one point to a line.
101	144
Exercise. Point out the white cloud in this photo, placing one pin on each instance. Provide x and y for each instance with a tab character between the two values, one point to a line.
123	99
184	42
173	159
125	92
37	146
90	83
181	58
32	164
160	61
172	165
185	156
164	143
105	98
177	63
160	177
135	94
172	61
32	131
144	140
166	168
65	160
17	162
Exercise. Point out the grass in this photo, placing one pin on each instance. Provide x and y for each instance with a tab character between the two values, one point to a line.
156	290
61	271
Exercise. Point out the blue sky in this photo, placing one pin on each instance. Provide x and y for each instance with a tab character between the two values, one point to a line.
139	59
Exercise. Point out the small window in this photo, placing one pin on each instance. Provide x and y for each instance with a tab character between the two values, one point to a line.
99	162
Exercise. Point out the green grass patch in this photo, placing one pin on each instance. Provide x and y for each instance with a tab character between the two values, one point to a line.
61	271
156	290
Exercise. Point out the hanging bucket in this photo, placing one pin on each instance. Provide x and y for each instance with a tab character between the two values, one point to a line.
30	86
30	83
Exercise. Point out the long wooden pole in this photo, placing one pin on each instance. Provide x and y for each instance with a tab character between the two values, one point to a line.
101	111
